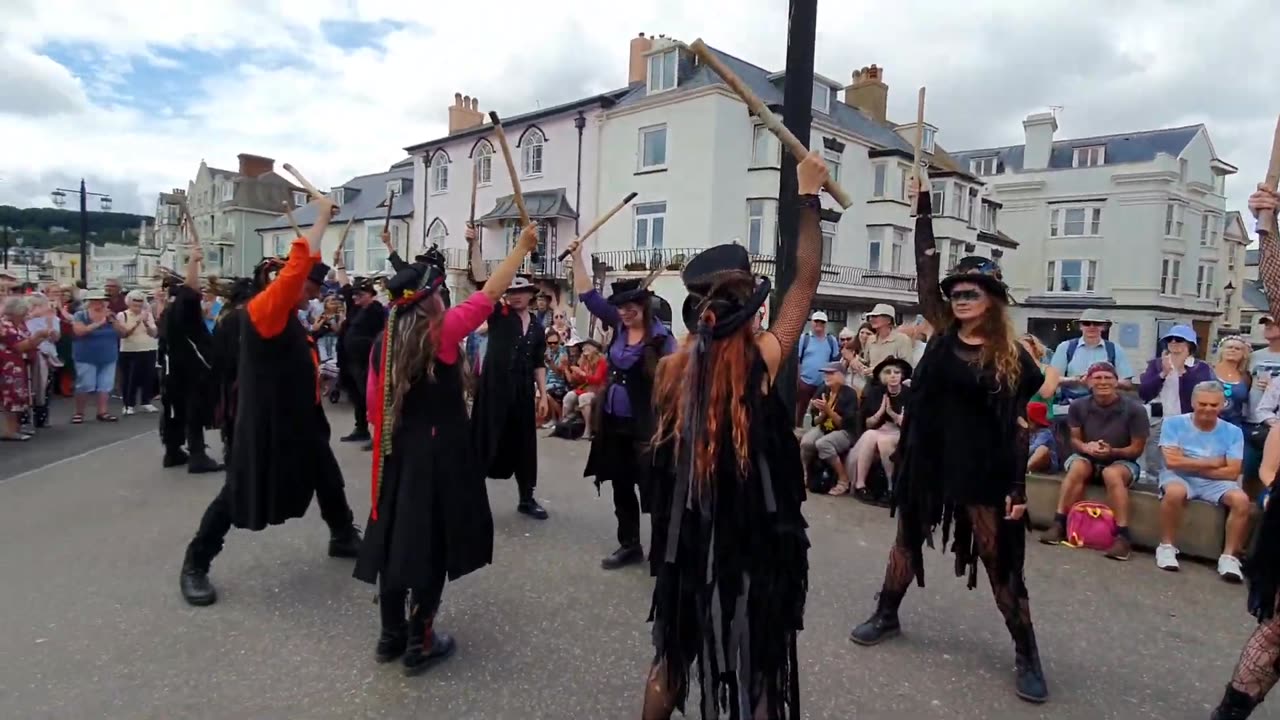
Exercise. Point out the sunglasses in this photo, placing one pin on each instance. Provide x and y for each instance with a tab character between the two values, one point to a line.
965	295
1092	323
552	344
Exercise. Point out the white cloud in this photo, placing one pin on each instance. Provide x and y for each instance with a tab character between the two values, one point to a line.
286	92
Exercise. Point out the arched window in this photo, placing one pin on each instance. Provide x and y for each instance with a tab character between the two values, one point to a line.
531	152
440	173
437	233
484	162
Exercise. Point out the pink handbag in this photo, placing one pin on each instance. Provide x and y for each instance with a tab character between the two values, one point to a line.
1090	524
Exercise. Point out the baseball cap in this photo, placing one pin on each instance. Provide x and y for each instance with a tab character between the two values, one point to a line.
818	316
833	367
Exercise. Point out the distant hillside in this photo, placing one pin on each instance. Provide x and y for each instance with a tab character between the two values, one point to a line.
48	227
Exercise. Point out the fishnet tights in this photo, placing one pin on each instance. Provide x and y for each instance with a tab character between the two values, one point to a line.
1010	591
660	700
1269	271
793	312
1259	666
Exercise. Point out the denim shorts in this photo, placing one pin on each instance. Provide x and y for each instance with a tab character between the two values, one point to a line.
95	378
1131	466
1210	491
1043	437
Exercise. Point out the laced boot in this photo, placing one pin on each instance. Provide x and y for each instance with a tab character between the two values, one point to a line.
1235	705
630	554
345	543
426	647
1029	683
883	624
395	631
194	580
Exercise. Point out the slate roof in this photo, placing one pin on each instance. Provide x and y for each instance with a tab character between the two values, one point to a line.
364	197
1132	147
539	203
1254	295
769	86
606	99
1251	257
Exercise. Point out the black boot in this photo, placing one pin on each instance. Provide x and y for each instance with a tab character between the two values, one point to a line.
529	506
41	413
1235	705
345	543
174	456
426	647
199	463
882	625
629	554
1029	682
194	581
358	435
395	631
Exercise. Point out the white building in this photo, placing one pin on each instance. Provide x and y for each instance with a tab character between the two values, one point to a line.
1131	223
362	202
555	151
707	172
112	261
228	207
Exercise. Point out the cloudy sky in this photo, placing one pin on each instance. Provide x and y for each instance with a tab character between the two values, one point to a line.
133	95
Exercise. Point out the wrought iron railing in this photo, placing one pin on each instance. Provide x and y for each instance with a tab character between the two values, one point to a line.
675	258
545	267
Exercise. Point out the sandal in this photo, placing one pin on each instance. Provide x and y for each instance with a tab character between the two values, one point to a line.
838	490
107	417
77	419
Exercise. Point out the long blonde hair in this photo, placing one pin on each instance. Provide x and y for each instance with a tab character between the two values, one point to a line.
416	332
1243	365
1001	351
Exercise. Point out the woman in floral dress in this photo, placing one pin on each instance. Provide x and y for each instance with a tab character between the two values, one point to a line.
15	344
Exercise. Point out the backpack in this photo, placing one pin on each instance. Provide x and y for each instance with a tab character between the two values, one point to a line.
1066	395
831	343
1090	524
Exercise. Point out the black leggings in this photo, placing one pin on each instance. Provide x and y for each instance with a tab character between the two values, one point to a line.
137	374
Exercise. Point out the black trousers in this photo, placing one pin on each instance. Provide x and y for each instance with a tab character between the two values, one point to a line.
137	376
626	507
424	601
518	447
216	521
353	376
183	419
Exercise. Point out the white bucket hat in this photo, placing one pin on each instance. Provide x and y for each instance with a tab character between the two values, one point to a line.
883	309
1093	315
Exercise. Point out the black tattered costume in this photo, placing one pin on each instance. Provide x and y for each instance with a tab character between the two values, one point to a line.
187	374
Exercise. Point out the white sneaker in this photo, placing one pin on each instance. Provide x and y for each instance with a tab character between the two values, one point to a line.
149	408
128	411
1167	557
1229	569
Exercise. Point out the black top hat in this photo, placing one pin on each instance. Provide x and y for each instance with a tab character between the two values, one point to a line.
319	272
420	279
716	263
901	364
364	285
628	290
980	271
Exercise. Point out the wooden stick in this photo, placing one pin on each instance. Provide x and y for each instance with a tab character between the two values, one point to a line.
516	194
1266	220
915	172
193	237
311	189
386	221
596	225
342	240
760	110
288	212
475	258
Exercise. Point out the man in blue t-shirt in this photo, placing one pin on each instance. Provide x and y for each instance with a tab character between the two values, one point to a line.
1202	457
813	352
1074	357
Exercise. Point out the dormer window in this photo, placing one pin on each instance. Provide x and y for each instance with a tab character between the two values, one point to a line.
299	198
984	166
662	71
394	187
926	144
821	97
1091	156
339	196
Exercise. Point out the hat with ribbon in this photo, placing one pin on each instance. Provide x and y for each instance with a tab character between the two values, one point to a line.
983	272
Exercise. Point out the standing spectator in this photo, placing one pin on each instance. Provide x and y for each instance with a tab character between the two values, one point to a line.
1232	370
96	350
886	342
835	415
542	309
1073	358
211	307
1167	384
16	343
1203	456
115	295
138	345
562	324
1108	434
42	317
815	350
883	406
1264	366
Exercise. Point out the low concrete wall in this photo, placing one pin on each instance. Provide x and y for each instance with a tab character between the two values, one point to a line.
1203	525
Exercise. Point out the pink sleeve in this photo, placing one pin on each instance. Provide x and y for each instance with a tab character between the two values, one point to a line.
373	390
459	321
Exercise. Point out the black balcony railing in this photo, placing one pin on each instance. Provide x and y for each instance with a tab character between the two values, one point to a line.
545	267
675	258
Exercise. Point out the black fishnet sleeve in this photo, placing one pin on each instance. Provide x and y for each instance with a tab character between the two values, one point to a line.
928	265
794	309
1269	271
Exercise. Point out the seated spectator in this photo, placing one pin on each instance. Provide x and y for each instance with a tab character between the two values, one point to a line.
1108	434
587	381
1073	358
1042	451
1167	384
1202	456
556	359
1232	370
835	413
881	414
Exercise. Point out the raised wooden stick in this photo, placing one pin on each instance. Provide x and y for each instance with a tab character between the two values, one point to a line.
1266	220
475	257
288	213
516	194
760	110
596	225
342	240
306	185
915	172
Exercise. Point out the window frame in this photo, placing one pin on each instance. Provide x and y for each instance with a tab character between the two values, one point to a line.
671	54
875	248
756	221
978	164
533	140
644	134
834	161
299	198
1170	275
1205	278
645	211
898	245
439	174
482	166
830	231
879	176
1091	224
1175	216
1087	153
1088	276
772	147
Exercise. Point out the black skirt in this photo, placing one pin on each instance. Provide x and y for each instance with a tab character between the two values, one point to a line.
619	455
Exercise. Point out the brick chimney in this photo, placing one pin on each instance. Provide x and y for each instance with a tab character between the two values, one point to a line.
465	113
638	69
868	92
1039	129
255	165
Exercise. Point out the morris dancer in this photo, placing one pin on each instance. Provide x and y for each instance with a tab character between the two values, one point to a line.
729	547
963	451
430	516
620	440
281	454
188	372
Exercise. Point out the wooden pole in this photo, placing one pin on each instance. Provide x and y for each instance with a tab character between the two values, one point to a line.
1267	221
915	170
516	194
600	221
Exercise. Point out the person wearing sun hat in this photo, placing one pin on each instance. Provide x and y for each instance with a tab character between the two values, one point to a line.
366	317
505	413
887	342
1167	384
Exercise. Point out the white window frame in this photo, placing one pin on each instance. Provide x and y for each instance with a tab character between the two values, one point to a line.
1174	217
904	181
938	190
766	151
1204	281
644	134
974	201
898	249
1231	261
440	174
395	185
927	139
338	195
821	97
643	222
437	233
1089	156
664	61
1090	224
875	247
984	166
880	180
757	220
834	162
955	251
533	154
1208	230
1183	170
228	188
1170	276
830	231
1088	276
484	164
988	217
959	196
299	198
373	247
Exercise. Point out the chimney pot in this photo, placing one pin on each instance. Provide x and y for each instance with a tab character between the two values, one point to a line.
457	99
464	114
868	92
475	104
637	65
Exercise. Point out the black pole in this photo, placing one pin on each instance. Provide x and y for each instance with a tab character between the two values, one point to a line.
6	247
84	234
797	115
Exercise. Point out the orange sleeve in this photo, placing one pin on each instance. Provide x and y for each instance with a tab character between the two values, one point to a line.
269	310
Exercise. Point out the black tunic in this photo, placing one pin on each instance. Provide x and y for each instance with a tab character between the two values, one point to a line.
431	491
505	388
189	354
620	446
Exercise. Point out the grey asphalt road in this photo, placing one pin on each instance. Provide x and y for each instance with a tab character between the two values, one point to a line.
93	625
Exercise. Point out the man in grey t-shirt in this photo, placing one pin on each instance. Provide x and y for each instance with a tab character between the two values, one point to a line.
1264	367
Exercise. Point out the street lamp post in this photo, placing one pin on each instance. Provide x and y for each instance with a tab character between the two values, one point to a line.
59	196
1228	291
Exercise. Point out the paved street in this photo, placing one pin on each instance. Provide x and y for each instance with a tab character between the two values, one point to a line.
93	625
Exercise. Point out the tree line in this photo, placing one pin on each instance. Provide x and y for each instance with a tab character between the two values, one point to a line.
36	226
